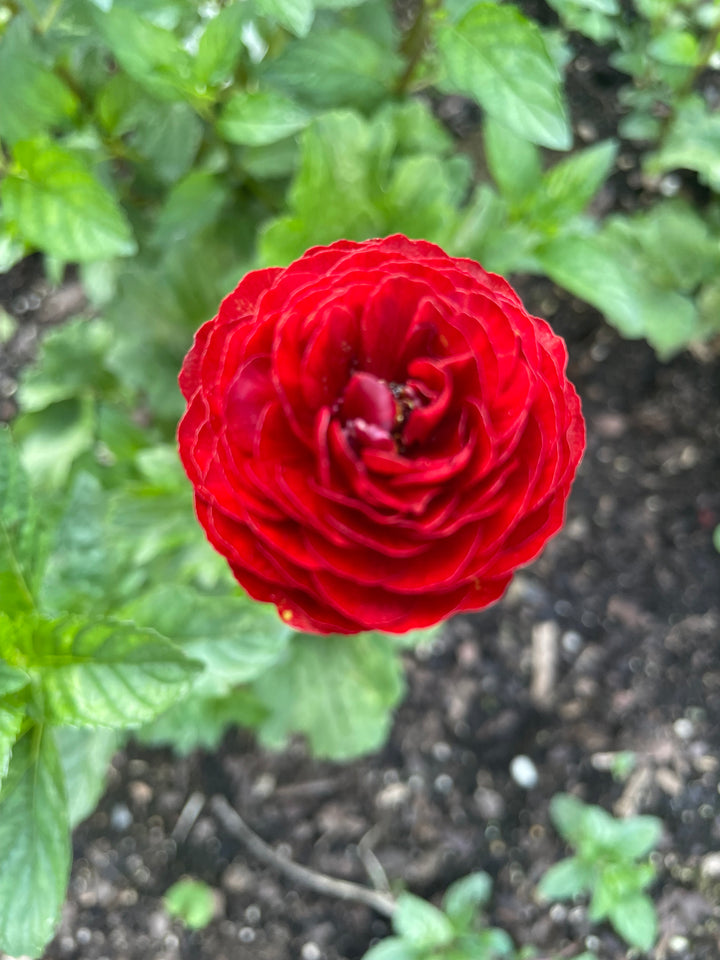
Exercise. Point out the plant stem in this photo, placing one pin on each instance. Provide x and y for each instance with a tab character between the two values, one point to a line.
413	45
382	903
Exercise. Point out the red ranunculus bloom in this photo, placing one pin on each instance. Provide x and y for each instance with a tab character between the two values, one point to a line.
378	435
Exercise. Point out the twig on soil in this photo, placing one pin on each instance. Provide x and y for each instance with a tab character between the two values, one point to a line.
373	867
382	903
188	815
545	637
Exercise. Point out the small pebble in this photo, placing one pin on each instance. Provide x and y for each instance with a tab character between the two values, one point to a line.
683	728
678	944
524	772
120	817
310	951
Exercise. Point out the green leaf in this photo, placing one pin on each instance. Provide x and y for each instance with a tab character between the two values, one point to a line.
201	721
338	691
18	532
613	278
676	242
105	673
85	756
190	901
220	45
59	207
70	362
414	210
497	56
636	836
675	47
295	15
464	898
192	204
236	638
260	117
520	177
421	924
39	101
334	68
10	723
52	439
79	574
169	140
391	948
34	845
594	18
337	153
569	186
692	142
567	813
150	54
635	919
716	538
565	880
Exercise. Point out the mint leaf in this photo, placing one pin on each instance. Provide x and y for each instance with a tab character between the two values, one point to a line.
692	142
192	204
45	101
106	672
594	18
58	206
34	845
569	186
635	919
256	118
295	15
18	532
496	55
201	721
84	756
334	68
168	139
52	439
613	276
421	924
636	836
465	897
220	45
338	691
149	53
79	574
235	638
192	902
10	724
391	948
518	179
566	879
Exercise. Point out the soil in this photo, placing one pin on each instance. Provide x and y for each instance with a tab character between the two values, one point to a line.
607	644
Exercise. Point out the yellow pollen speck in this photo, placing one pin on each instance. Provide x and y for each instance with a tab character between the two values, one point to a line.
286	615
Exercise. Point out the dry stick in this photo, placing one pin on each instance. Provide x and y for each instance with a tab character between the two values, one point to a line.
343	889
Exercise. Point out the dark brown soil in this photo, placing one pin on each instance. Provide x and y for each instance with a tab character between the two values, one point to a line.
629	595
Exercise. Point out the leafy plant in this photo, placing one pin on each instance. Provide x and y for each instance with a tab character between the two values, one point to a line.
610	865
455	931
191	901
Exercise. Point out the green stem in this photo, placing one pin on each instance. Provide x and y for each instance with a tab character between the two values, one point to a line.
45	24
413	45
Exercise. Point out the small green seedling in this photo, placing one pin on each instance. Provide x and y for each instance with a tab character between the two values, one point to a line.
192	902
610	865
455	932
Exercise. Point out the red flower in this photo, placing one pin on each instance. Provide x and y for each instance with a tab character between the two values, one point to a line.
378	435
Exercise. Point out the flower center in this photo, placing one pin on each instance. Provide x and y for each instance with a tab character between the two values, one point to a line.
373	412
